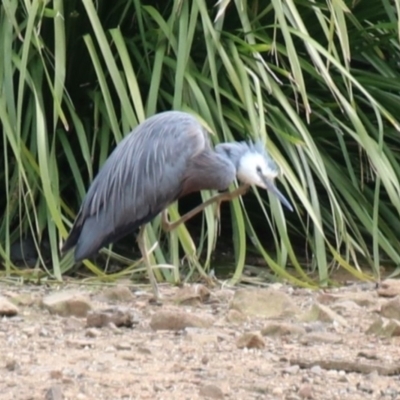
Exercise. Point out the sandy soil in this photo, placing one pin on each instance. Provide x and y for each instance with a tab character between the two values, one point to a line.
292	352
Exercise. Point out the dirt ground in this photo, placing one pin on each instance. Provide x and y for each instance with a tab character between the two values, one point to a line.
199	343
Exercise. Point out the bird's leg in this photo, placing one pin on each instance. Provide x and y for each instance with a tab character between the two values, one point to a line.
141	240
219	198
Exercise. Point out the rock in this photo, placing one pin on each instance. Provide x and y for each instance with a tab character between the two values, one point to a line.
316	370
56	374
250	340
176	368
80	344
282	329
266	303
391	309
29	331
72	324
319	312
143	350
11	364
178	320
389	288
320	337
118	316
54	393
305	391
277	391
67	304
92	333
391	392
223	295
201	338
362	299
211	392
118	293
369	355
345	307
24	299
123	346
235	317
43	332
7	308
314	326
292	370
365	387
192	295
384	327
326	298
344	365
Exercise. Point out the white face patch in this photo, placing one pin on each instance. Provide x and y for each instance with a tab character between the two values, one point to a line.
250	167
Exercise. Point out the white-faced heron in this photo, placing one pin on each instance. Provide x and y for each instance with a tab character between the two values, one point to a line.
163	159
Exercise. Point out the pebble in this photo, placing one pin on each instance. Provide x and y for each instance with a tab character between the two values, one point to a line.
67	303
305	391
178	320
118	293
54	393
267	303
391	308
211	392
320	312
316	370
118	316
292	370
7	308
389	288
250	340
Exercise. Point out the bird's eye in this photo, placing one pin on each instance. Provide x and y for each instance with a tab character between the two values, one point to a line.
258	169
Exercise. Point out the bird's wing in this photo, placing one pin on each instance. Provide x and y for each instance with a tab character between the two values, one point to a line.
141	177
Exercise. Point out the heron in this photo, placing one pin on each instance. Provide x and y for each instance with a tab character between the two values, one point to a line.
166	157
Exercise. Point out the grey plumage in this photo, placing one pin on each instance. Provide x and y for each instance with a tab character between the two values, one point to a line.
166	157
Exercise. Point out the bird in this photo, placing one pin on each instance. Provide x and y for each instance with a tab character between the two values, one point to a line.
166	157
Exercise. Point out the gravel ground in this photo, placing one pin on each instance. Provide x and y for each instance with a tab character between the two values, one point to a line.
278	342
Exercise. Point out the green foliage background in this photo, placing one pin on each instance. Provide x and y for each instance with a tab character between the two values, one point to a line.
317	81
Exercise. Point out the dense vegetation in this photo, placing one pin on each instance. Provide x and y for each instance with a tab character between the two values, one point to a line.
317	81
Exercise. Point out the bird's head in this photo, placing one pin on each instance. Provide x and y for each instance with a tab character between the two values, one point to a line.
254	166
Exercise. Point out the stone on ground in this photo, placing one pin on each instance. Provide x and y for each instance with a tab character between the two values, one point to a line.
363	299
119	293
118	316
320	337
178	320
54	393
250	340
211	392
192	295
389	288
7	308
391	309
282	329
235	317
67	304
266	303
319	312
384	327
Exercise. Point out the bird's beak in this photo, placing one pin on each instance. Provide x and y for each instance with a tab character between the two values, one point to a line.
270	186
